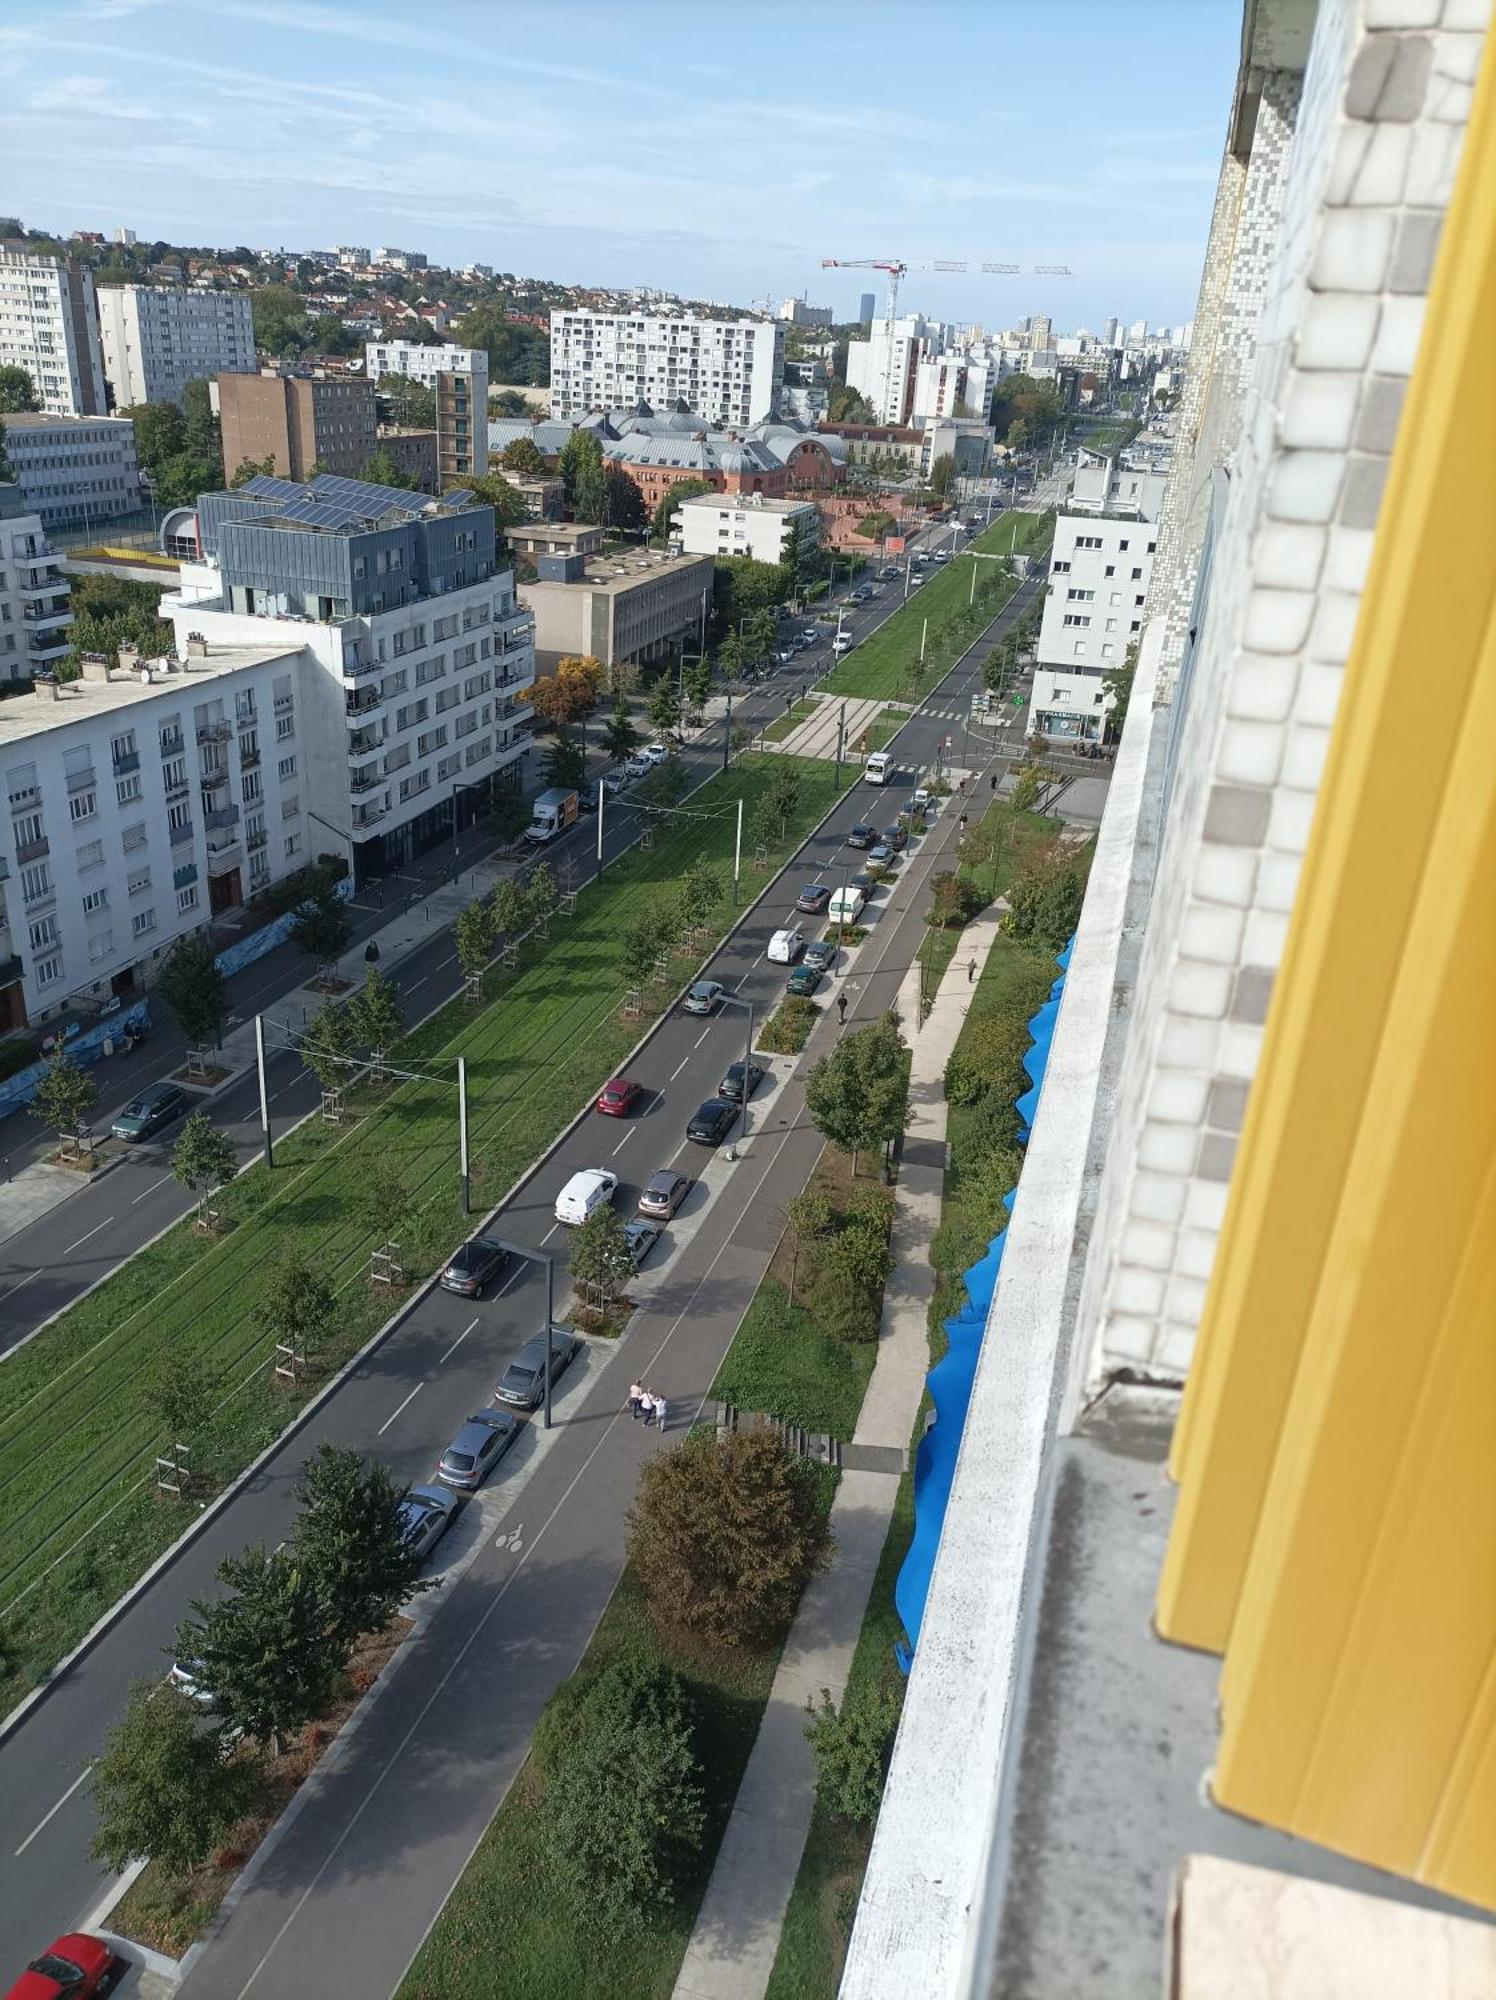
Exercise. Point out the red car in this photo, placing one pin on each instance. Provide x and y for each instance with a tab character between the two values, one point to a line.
76	1968
618	1098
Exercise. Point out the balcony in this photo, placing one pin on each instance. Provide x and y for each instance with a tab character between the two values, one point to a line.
368	815
361	706
47	614
213	732
364	742
126	763
181	834
33	850
81	781
224	860
257	840
219	818
178	789
249	760
365	780
173	745
47	645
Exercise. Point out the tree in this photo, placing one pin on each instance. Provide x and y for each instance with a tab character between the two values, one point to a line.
321	926
564	762
540	894
162	1787
850	406
508	403
110	612
202	433
619	733
697	681
873	527
664	705
191	984
65	1095
1046	897
625	1809
517	352
670	499
942	477
280	322
297	1304
701	891
180	1396
522	454
411	404
779	804
374	1015
724	1535
742	586
252	468
852	1750
808	1216
1117	682
509	913
327	1046
1025	789
508	505
857	1095
270	1651
568	694
599	1254
989	1058
643	946
351	1542
203	1159
473	934
17	392
623	503
665	785
383	470
384	1200
581	467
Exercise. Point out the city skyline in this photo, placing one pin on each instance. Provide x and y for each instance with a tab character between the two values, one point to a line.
355	131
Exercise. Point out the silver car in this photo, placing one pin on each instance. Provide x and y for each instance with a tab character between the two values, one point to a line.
477	1449
428	1512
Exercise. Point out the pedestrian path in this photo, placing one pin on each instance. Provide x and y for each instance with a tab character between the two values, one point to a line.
732	1948
829	721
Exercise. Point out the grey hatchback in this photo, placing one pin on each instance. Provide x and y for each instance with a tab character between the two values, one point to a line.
523	1382
147	1114
663	1193
477	1449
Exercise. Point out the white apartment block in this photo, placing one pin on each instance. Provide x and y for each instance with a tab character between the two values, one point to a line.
158	338
727	371
884	366
748	524
74	471
953	384
138	801
1106	487
418	361
35	608
49	327
1098	587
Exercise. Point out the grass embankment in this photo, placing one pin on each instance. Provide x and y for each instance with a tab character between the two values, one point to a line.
1007	838
887	662
79	1516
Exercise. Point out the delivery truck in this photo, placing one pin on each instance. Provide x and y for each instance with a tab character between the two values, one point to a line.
552	813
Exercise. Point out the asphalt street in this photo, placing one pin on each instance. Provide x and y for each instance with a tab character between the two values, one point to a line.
406	1805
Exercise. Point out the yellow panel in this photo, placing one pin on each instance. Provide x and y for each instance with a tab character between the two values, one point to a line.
1409	686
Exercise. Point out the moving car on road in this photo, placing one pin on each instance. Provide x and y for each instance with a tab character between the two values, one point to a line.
475	1451
618	1097
663	1193
428	1512
711	1122
475	1265
144	1116
731	1085
703	997
584	1194
786	946
523	1383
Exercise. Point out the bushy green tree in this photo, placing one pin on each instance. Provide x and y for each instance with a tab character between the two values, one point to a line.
563	761
162	1787
321	926
599	1257
203	1159
509	912
65	1095
374	1014
857	1094
523	455
541	894
17	392
670	499
297	1303
191	984
851	1750
327	1046
350	1541
269	1650
619	733
473	935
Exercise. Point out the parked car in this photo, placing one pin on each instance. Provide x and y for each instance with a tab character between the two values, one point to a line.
896	836
144	1116
475	1265
864	885
881	853
75	1967
523	1382
704	997
654	753
922	803
584	1194
618	1097
889	573
663	1193
842	643
785	654
476	1450
641	1238
819	956
711	1122
186	1677
813	898
731	1085
862	834
804	980
786	946
428	1512
638	765
847	905
805	640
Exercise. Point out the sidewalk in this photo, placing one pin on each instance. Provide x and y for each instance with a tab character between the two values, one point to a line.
731	1953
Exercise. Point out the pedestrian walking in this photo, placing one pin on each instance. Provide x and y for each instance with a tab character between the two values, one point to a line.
661	1410
841	1009
992	781
636	1401
971	970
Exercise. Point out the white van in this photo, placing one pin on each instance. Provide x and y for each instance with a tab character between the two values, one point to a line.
584	1194
842	644
846	906
878	768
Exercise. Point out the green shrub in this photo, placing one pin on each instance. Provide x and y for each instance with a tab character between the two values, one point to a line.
852	1750
988	1057
788	1028
842	1308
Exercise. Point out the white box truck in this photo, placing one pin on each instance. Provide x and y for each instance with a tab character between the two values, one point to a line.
879	768
552	813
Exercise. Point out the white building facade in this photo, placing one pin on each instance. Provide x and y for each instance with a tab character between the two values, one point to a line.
49	326
74	471
157	338
419	361
751	524
1098	589
727	371
35	607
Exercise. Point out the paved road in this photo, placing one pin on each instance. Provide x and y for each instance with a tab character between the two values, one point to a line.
404	1402
47	1264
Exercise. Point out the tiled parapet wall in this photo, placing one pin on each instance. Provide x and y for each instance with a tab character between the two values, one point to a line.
1380	122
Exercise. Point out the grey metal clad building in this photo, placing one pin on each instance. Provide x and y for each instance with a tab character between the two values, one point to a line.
75	471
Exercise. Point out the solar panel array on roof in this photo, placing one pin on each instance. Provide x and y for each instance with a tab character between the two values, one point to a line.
333	502
265	487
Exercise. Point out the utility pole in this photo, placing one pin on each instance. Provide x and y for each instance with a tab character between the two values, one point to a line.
841	737
264	1095
737	856
602	793
924	633
464	1176
550	1314
727	730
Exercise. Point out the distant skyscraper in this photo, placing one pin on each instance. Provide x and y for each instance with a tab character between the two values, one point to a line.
867	305
1109	335
49	325
1041	333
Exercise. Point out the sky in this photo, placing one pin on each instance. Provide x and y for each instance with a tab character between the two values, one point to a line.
716	152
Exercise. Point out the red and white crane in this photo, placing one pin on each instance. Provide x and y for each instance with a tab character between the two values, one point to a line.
896	269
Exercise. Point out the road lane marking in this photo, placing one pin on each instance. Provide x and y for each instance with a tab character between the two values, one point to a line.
16	1288
549	1234
395	1413
630	1133
55	1810
446	1357
702	1036
92	1232
418	982
677	1070
150	1190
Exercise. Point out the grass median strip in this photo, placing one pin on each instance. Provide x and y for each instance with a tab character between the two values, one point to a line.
80	1518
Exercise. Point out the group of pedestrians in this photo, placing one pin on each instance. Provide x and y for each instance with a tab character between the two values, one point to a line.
646	1404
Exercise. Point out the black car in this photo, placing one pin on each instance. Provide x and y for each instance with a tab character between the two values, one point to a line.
731	1086
523	1382
862	834
804	980
866	883
711	1122
896	836
475	1265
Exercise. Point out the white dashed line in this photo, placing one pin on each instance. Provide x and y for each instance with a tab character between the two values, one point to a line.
92	1232
55	1810
449	1353
395	1413
622	1142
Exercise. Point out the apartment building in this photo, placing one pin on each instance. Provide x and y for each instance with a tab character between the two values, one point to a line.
413	653
412	452
1200	1699
624	610
49	326
1094	608
885	366
297	422
1110	486
155	339
728	371
751	524
420	361
462	424
35	606
139	800
75	471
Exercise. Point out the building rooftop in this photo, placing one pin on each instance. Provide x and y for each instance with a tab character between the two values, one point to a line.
28	715
551	531
22	420
620	573
758	503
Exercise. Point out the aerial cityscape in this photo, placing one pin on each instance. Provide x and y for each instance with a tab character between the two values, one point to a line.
739	1259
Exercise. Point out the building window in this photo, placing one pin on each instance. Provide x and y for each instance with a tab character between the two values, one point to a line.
187	898
96	899
48	971
285	728
90	855
82	805
127	790
142	922
287	768
43	933
292	844
139	882
1137	576
36	882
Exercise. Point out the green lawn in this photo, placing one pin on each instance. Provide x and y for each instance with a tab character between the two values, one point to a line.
787	724
992	878
780	1364
887	663
78	1510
